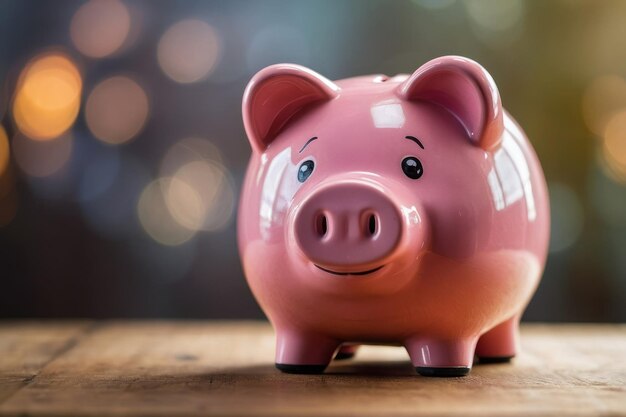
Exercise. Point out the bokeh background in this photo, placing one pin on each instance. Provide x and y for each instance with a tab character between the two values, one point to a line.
122	149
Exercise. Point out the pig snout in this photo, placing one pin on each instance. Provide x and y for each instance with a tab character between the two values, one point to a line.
349	227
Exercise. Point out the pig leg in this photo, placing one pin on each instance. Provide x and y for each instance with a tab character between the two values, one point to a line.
346	352
303	353
441	358
500	343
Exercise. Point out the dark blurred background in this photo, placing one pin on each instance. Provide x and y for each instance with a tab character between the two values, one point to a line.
122	149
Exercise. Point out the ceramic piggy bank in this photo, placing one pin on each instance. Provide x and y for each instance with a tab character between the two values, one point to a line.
409	210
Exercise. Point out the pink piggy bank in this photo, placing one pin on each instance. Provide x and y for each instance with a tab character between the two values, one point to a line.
407	211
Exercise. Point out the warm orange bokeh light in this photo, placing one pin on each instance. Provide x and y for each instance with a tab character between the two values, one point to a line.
100	27
4	151
47	98
116	110
8	199
614	145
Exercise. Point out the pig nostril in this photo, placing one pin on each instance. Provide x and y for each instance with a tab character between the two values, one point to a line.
371	224
321	225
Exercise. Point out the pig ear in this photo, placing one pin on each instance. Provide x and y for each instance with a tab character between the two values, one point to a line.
465	89
275	95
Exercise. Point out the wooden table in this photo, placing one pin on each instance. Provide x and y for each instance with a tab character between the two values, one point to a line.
145	368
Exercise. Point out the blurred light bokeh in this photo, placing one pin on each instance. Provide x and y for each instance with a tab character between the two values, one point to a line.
116	110
122	149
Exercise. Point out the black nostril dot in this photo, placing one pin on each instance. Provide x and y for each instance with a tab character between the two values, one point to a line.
371	224
321	225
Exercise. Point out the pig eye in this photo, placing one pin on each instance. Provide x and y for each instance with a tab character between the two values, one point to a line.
412	167
305	170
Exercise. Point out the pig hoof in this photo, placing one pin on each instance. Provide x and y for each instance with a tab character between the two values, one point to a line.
494	359
443	371
300	369
344	355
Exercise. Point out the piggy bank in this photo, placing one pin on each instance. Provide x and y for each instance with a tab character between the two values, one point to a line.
405	210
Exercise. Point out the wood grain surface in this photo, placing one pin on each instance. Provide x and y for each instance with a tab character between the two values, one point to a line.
26	347
226	368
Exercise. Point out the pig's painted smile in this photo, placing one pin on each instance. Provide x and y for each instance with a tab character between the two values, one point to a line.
369	271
